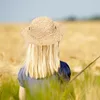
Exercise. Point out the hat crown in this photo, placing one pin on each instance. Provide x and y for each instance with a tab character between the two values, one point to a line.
42	31
42	26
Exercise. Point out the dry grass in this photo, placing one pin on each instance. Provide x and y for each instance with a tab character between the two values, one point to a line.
79	46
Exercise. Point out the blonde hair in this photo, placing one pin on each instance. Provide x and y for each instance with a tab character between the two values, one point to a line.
42	60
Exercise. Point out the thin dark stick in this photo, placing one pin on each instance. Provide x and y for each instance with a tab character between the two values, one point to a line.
84	69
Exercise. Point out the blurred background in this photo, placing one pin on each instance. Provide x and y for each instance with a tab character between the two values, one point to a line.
80	45
80	20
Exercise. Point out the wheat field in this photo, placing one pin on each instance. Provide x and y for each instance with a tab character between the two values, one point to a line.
79	46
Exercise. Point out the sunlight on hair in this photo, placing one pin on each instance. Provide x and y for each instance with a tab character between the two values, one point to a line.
42	60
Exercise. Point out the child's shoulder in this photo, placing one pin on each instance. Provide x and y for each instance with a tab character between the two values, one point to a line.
63	64
21	72
21	76
64	69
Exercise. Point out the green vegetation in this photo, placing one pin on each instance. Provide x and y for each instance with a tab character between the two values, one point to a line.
75	18
85	87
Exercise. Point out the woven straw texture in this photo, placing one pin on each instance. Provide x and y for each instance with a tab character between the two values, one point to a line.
42	31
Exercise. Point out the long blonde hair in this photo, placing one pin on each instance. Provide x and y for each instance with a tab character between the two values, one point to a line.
42	61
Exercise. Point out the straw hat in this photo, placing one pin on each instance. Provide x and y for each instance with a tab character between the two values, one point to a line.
42	31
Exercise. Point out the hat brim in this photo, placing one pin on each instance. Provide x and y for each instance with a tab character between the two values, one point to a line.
46	40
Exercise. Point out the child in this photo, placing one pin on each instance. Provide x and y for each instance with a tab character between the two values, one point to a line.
42	60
